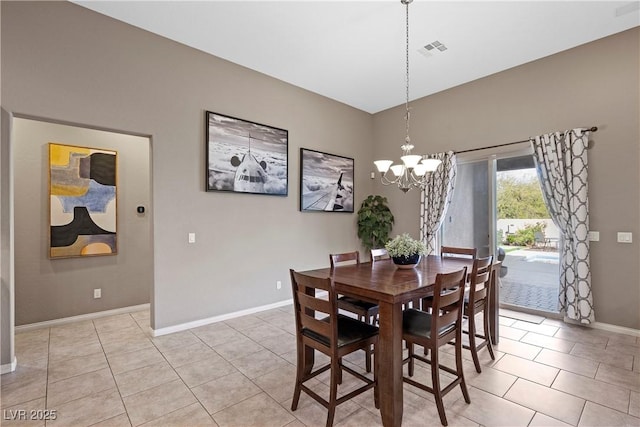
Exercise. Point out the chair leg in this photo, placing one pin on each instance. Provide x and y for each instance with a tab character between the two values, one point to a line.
487	334
376	369
299	376
336	369
459	371
435	382
367	355
411	359
472	342
367	352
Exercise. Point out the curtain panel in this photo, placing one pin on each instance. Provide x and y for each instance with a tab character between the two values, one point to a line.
435	199
561	165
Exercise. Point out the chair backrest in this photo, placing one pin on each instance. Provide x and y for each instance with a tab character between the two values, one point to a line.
458	252
315	317
335	259
539	237
448	298
378	254
480	281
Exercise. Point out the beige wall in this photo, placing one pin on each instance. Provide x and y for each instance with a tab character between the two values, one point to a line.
596	84
63	62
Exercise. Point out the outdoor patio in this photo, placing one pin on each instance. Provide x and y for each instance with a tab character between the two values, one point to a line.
531	280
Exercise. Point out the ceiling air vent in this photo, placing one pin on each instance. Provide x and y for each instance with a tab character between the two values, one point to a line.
432	48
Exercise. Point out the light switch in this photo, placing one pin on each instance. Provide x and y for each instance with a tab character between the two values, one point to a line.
594	236
624	237
192	237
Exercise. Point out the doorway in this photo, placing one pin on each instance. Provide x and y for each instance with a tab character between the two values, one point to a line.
497	207
48	289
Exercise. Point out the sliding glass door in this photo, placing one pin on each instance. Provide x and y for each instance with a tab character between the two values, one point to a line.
497	207
468	220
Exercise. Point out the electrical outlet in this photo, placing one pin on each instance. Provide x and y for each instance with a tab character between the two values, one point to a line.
192	237
97	293
278	284
594	236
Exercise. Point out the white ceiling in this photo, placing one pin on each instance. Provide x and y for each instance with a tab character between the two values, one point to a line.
354	51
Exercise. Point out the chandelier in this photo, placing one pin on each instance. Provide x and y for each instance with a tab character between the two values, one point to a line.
414	168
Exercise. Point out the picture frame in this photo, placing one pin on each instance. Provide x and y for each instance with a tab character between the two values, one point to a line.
83	189
245	157
326	182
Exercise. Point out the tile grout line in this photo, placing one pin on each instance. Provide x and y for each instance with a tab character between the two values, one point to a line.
180	377
112	375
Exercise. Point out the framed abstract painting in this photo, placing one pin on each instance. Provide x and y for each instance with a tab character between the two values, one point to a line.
82	201
245	157
326	182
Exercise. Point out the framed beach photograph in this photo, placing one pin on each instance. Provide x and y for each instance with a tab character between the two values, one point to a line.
82	201
245	157
326	182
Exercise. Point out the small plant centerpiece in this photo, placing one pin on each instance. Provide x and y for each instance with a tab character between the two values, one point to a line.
405	251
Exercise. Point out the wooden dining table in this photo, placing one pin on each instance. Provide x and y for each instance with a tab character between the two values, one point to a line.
383	283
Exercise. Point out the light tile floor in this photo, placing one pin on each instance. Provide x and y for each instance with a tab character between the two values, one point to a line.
110	372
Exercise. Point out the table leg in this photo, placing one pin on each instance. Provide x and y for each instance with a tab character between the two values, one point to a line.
390	364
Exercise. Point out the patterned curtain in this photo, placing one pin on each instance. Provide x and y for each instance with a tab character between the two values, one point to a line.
561	164
435	199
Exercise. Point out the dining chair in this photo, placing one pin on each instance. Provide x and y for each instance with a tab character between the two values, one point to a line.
455	252
432	331
365	310
460	252
379	254
319	326
476	301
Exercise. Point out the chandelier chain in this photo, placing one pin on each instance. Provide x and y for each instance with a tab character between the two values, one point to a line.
414	170
407	72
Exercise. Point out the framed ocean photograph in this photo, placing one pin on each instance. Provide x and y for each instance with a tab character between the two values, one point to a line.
326	182
245	157
82	201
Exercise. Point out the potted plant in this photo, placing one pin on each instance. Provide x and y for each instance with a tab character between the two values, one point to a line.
375	221
405	251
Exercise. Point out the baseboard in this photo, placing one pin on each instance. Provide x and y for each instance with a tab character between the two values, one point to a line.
547	314
9	367
606	327
215	319
88	316
595	325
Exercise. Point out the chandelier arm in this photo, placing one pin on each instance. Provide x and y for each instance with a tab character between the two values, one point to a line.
419	181
387	181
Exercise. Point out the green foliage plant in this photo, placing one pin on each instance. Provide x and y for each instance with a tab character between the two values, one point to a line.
375	221
525	236
520	199
404	245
